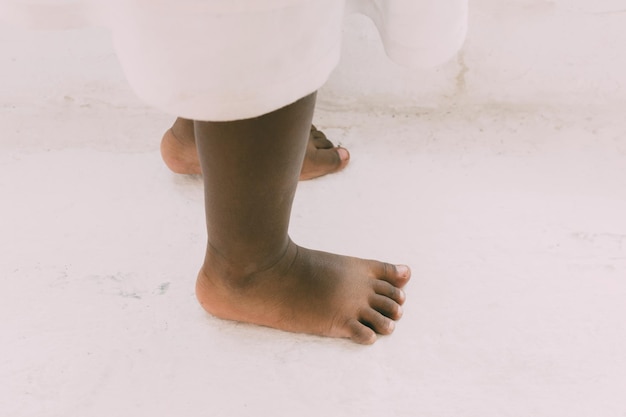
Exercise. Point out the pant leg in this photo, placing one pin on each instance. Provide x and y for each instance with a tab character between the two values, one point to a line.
418	33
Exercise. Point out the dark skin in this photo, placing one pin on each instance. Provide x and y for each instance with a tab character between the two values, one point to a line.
178	148
253	272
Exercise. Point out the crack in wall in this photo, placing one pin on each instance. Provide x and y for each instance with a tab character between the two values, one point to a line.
461	78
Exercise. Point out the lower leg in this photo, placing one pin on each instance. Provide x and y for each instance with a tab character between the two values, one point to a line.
250	171
252	271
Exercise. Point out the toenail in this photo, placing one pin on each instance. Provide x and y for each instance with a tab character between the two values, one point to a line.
402	270
343	154
391	326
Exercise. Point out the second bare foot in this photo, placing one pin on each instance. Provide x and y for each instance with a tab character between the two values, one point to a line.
178	149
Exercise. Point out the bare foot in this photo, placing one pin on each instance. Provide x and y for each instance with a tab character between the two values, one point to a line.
178	149
322	157
308	292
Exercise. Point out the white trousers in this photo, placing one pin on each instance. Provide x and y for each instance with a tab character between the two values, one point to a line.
223	60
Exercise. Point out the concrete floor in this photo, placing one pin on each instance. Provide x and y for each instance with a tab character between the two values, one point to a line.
511	216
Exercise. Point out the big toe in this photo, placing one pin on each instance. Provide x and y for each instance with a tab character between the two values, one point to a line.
396	275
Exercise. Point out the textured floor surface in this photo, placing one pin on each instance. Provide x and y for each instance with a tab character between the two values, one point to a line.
511	216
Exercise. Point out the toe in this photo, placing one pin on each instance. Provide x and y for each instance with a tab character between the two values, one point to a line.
360	333
386	306
319	139
386	289
330	160
319	162
396	275
326	159
322	157
377	322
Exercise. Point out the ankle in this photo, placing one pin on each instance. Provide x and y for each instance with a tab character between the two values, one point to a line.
244	268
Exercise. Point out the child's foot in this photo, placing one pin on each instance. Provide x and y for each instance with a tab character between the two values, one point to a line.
178	149
308	292
322	157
